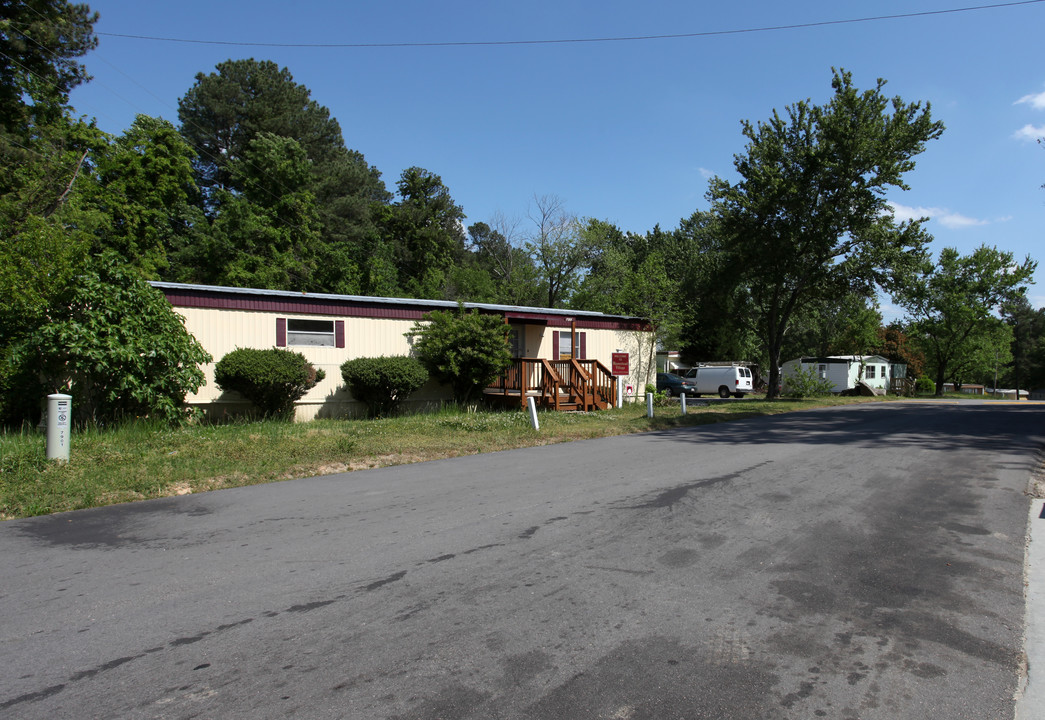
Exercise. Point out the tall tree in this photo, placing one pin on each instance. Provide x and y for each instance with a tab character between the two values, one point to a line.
558	248
266	236
425	231
1028	343
952	306
498	250
226	110
837	326
629	276
716	319
39	43
146	189
808	219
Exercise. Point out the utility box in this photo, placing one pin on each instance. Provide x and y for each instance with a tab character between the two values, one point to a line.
59	424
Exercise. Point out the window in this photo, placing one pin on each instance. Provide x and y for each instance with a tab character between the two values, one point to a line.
299	332
565	346
562	345
870	372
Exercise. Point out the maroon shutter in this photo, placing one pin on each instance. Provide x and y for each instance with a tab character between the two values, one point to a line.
339	333
555	345
583	342
281	332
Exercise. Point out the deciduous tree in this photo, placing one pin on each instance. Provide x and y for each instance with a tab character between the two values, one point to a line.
808	218
952	306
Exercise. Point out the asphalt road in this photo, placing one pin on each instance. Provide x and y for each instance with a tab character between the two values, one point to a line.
861	562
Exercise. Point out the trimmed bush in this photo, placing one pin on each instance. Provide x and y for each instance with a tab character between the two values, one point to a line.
803	383
273	380
383	383
924	386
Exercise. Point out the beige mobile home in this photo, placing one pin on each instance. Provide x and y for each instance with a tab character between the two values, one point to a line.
571	348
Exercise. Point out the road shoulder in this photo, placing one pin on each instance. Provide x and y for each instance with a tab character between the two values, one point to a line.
1031	700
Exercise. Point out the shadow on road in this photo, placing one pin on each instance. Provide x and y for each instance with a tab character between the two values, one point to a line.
939	426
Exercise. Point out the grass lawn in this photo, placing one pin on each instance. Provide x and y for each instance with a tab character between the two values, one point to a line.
140	461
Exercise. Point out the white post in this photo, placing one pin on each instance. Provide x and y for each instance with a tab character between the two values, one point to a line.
649	404
683	397
533	413
59	420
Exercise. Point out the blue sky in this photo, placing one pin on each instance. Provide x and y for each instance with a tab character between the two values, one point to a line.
627	131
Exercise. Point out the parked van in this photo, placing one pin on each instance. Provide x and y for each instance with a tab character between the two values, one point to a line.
732	380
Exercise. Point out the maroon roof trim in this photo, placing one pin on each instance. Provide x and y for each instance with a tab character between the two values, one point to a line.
306	305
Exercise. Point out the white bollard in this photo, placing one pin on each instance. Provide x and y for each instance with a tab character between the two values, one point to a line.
533	413
59	420
649	404
683	397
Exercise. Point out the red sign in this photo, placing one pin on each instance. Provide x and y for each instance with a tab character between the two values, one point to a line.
620	363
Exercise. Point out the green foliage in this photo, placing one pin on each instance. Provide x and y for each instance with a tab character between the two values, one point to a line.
511	269
805	383
660	398
924	386
39	41
716	317
331	191
424	231
267	235
951	307
629	276
464	350
114	343
559	249
383	383
808	220
1028	345
146	188
846	325
273	379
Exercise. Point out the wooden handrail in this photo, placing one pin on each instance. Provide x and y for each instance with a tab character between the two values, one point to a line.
588	383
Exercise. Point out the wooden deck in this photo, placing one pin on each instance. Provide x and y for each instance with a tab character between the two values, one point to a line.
555	384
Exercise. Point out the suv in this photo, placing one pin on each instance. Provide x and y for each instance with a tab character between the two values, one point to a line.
674	385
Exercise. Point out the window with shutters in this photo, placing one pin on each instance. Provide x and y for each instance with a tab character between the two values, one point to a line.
297	332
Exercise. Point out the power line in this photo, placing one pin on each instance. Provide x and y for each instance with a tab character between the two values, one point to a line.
566	41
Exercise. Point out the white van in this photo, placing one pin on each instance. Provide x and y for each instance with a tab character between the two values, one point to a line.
732	380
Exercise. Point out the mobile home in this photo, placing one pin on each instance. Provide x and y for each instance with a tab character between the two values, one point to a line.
330	329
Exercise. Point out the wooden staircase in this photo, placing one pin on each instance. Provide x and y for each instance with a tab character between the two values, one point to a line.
564	385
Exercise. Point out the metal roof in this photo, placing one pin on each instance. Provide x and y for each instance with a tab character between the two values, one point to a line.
405	302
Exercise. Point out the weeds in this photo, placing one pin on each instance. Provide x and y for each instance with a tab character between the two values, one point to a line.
139	460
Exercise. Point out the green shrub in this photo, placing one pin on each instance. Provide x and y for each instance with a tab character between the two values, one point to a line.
803	383
464	350
660	399
924	386
271	379
383	383
111	341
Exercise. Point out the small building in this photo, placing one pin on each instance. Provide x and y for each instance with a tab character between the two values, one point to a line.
846	372
330	329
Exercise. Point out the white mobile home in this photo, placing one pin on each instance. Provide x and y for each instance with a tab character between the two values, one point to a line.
845	372
330	329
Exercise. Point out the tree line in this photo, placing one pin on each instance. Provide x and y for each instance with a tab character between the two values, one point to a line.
256	187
